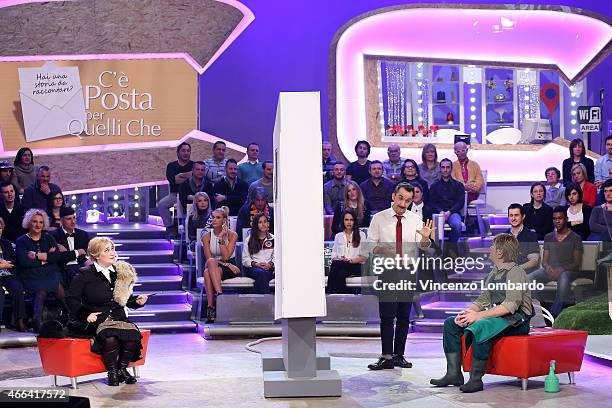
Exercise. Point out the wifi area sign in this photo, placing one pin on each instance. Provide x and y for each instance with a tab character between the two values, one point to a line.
589	118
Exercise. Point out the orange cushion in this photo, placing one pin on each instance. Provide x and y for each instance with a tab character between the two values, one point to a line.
72	357
530	356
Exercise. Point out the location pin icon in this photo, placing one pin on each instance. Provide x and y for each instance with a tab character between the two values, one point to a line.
549	94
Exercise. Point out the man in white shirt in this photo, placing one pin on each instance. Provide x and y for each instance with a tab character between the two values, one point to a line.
393	232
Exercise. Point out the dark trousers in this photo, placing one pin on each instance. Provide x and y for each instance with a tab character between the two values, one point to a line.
68	273
338	272
261	277
394	336
451	340
15	288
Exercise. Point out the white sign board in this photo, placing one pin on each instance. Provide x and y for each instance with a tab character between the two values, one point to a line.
298	207
51	100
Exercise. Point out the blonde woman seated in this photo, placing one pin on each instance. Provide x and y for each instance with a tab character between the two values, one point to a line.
346	254
200	216
97	298
219	249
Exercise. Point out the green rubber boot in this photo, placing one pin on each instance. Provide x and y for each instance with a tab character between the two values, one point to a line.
453	375
474	384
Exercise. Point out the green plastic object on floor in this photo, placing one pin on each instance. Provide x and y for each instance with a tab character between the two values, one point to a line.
551	384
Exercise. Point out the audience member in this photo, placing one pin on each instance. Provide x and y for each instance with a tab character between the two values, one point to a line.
578	213
9	279
54	206
266	181
11	212
377	190
353	198
447	198
72	243
230	191
37	255
418	205
24	173
333	190
177	172
429	169
215	166
328	162
258	254
555	191
467	172
393	165
603	169
6	173
37	195
359	171
410	174
589	191
600	222
347	253
529	250
577	155
195	184
603	165
538	215
257	204
251	170
200	216
561	260
219	249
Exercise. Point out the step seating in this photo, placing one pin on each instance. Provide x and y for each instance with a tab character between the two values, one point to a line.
72	357
530	356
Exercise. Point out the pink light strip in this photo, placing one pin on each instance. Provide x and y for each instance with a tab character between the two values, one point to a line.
541	37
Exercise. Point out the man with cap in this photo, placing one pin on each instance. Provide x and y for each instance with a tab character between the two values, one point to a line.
73	244
6	174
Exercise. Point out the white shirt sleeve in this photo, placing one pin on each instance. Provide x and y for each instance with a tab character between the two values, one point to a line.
336	248
246	256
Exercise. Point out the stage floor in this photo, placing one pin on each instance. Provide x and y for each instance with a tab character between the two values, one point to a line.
185	370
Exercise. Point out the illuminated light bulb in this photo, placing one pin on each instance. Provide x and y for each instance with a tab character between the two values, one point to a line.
473	108
420	101
420	92
73	197
527	97
526	89
573	103
472	90
135	188
136	205
73	205
419	83
473	100
95	197
115	213
574	131
473	134
526	116
526	106
420	110
573	94
573	113
115	205
573	121
95	205
136	214
473	126
420	118
115	197
419	74
473	117
136	197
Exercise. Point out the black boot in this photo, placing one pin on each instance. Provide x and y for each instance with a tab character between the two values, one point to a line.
453	375
474	384
124	374
110	362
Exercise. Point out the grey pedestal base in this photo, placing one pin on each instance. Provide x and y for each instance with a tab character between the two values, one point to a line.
277	384
299	371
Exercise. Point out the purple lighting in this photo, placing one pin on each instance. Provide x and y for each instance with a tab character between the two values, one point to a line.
536	37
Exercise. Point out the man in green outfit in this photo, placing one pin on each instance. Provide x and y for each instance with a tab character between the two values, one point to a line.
503	309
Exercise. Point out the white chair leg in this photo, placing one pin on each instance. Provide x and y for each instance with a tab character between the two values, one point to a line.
524	384
135	368
571	377
73	381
